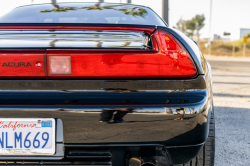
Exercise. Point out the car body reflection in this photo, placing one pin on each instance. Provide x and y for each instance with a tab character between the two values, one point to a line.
119	113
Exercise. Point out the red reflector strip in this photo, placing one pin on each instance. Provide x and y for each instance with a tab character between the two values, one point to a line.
22	64
122	65
147	30
112	65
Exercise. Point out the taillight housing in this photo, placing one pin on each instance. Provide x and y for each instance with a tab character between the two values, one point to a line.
166	59
178	62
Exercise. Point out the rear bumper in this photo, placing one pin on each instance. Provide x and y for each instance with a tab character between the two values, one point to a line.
142	124
148	116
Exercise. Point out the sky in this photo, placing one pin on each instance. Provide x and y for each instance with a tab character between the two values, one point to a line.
227	15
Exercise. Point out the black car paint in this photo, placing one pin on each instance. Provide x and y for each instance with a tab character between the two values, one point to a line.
24	98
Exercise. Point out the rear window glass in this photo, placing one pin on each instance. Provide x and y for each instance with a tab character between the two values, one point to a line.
106	13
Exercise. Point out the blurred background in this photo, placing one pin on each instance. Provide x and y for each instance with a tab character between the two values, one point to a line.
220	27
222	30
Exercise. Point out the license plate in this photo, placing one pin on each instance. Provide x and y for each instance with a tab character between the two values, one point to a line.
26	136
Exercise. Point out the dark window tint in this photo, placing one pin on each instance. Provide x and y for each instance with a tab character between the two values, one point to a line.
83	13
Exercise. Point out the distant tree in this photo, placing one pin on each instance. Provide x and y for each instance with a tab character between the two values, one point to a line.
248	35
191	27
199	19
181	26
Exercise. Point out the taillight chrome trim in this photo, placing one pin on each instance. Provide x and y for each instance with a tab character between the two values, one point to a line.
86	39
60	28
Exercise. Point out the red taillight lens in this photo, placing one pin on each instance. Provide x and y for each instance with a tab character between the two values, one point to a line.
60	65
110	64
178	62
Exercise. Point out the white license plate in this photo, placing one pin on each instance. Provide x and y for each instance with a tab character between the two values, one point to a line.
26	136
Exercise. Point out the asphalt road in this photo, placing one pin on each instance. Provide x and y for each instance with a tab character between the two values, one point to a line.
231	86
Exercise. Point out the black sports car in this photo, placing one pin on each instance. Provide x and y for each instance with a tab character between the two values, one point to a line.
101	84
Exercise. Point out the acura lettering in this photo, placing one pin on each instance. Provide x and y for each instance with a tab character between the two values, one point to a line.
16	64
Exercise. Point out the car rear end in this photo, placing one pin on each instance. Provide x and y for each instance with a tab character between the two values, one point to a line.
101	94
